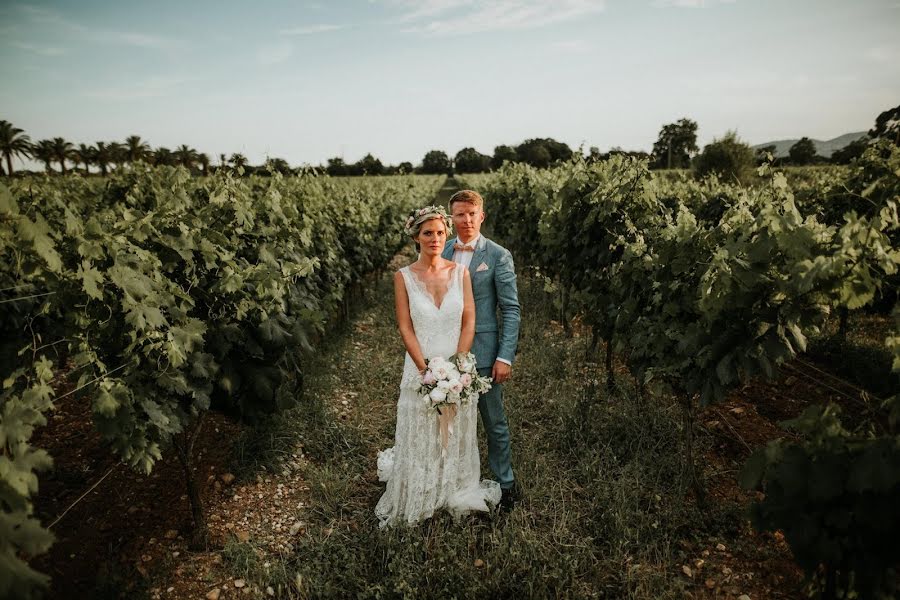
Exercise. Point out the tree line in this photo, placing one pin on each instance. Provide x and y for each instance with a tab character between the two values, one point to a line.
675	148
733	158
14	142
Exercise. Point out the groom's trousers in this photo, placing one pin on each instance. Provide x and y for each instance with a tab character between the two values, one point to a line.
493	417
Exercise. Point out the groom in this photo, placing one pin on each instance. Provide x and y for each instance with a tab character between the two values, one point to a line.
494	287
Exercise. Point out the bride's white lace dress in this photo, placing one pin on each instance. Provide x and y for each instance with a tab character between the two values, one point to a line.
420	477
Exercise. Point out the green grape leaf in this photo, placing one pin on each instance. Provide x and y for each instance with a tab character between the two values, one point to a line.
91	279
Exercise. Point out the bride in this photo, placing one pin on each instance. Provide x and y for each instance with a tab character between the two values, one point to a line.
436	317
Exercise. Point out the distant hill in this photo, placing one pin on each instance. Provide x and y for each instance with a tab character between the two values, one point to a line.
825	148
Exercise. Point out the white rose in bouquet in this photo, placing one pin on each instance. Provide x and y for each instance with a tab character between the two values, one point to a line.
466	363
454	381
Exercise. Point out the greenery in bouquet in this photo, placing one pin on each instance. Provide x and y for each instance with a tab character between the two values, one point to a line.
451	381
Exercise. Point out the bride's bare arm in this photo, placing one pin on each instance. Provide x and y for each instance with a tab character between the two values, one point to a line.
404	322
467	335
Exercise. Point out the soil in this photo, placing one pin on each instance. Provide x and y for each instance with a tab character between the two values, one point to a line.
128	524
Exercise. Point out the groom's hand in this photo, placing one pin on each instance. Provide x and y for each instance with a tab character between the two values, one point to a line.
501	372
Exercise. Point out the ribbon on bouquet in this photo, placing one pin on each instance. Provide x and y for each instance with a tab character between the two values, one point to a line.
446	416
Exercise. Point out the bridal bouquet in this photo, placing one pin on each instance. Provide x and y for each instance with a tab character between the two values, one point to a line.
447	383
451	381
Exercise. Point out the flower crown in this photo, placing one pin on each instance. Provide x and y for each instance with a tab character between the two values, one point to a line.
420	215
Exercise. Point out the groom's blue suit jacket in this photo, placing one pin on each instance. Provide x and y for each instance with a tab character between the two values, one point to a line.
494	288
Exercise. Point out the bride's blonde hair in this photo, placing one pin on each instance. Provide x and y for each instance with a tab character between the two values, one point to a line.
421	215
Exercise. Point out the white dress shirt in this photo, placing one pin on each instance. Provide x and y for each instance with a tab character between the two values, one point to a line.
465	259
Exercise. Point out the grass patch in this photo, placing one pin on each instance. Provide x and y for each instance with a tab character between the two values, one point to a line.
603	493
245	560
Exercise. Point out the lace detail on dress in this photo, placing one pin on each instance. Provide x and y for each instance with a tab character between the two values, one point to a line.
437	329
419	479
418	284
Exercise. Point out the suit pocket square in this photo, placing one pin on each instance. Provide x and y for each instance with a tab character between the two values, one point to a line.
482	267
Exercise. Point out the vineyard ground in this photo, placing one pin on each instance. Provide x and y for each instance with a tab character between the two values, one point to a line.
605	511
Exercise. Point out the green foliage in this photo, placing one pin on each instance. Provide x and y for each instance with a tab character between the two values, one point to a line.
705	284
172	295
13	142
369	165
25	397
870	185
727	157
503	154
887	126
850	152
542	152
834	494
470	160
436	162
803	152
676	144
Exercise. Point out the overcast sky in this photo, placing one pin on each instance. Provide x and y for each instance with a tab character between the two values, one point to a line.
306	81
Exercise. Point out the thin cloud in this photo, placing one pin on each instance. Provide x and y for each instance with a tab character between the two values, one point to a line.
416	10
154	87
44	16
133	38
310	29
461	17
37	49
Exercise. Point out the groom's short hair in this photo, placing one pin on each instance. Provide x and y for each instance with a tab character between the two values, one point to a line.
470	196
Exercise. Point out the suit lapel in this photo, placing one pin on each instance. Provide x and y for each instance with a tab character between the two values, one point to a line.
479	254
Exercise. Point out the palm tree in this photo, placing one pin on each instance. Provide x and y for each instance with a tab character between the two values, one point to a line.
185	156
13	142
135	148
62	151
203	160
162	156
238	160
102	156
84	154
118	153
43	151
